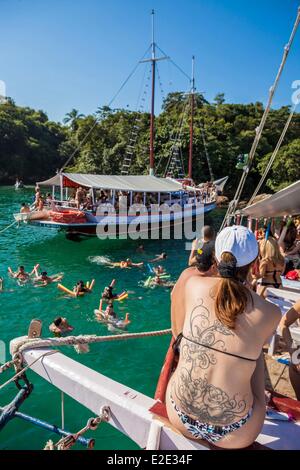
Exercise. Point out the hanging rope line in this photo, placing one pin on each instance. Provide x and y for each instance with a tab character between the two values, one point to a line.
234	203
274	155
160	83
140	109
202	129
97	119
175	163
175	65
9	226
20	372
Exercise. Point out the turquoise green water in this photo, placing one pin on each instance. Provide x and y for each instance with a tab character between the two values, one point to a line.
136	363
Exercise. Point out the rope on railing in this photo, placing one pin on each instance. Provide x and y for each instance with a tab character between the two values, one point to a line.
31	343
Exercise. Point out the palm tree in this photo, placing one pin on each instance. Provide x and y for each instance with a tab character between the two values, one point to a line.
72	117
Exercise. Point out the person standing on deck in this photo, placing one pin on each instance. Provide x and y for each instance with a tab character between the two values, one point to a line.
217	390
208	235
79	196
271	265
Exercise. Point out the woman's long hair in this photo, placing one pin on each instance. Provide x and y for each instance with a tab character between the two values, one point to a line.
232	296
269	251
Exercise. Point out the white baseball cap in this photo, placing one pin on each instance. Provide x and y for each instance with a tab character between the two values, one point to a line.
240	242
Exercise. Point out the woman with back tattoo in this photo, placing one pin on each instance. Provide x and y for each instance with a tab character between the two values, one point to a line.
217	390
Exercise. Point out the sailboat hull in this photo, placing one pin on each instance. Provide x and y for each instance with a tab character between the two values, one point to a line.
135	227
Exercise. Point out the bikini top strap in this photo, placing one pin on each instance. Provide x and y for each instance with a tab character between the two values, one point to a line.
219	350
177	342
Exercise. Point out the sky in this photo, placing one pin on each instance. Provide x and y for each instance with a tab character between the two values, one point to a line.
56	55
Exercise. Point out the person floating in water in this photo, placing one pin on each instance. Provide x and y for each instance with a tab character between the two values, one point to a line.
44	279
113	319
21	274
108	294
108	291
109	316
159	270
161	257
158	281
127	264
80	288
60	327
1	284
109	312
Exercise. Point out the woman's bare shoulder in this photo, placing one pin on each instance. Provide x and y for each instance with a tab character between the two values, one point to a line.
268	308
187	274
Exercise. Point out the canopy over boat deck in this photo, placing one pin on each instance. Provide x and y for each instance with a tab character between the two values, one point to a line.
136	183
284	202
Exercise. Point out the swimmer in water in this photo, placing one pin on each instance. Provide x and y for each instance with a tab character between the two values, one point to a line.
161	257
44	279
21	275
1	284
109	312
108	291
60	327
124	322
129	264
157	281
159	270
80	287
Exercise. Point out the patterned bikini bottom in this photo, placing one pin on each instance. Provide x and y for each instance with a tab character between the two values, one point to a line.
206	431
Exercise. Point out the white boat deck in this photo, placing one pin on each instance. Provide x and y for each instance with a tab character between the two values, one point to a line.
130	409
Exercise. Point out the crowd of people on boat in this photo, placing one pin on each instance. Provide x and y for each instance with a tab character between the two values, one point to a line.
85	199
221	321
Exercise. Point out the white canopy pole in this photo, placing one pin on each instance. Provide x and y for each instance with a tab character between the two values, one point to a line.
61	187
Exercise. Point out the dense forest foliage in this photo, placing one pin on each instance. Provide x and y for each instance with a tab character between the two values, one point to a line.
32	147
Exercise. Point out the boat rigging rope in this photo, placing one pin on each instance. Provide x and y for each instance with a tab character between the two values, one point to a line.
96	119
202	128
32	343
177	138
174	63
67	442
20	372
10	225
274	155
232	207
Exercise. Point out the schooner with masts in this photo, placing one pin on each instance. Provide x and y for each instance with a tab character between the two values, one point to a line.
159	197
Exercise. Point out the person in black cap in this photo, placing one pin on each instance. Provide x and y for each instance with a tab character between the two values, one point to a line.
205	259
207	235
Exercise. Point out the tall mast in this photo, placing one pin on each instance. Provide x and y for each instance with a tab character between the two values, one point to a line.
153	61
192	97
151	171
